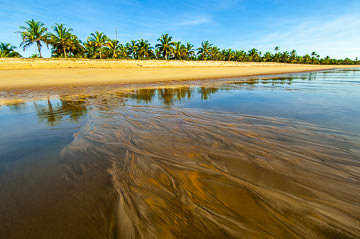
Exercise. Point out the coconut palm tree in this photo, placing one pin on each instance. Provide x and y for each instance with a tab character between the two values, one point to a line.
98	40
189	50
7	50
315	57
89	49
75	47
165	46
293	56
268	57
254	55
179	50
285	56
132	49
62	39
144	49
34	32
227	55
113	46
205	50
215	53
240	56
122	52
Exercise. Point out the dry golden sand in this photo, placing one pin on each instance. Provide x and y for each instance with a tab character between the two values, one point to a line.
37	73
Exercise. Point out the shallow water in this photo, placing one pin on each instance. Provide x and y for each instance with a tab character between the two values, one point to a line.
267	157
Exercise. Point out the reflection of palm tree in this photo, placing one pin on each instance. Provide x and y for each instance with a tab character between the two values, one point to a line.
183	92
52	114
169	95
144	95
207	91
47	113
73	108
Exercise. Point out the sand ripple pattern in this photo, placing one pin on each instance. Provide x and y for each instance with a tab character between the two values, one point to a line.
182	173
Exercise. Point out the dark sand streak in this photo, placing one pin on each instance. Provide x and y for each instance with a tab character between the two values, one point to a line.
136	171
187	174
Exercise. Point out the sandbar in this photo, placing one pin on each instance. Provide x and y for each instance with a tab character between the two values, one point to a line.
50	73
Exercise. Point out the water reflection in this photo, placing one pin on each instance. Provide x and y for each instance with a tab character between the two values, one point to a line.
53	112
162	162
16	105
144	96
69	107
169	95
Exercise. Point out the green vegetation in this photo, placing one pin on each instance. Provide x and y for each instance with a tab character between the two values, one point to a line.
98	46
6	50
34	32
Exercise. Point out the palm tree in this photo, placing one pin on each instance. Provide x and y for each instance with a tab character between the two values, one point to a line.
75	47
144	49
267	56
293	56
122	52
7	50
240	55
285	57
178	50
254	55
113	46
227	55
34	32
98	40
132	49
189	50
166	45
204	50
276	49
215	53
62	39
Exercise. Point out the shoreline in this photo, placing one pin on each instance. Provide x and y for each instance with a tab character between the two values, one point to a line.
17	74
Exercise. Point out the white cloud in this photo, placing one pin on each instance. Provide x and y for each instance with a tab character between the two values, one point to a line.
194	21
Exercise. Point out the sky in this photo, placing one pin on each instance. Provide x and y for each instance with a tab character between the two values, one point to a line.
328	27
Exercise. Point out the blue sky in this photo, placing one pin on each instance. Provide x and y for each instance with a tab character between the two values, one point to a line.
330	27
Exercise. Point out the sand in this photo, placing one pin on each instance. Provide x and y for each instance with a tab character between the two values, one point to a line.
48	73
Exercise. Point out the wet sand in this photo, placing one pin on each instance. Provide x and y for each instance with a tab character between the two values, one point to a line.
40	73
154	172
136	170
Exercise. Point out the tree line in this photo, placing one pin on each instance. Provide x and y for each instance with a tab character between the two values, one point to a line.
99	46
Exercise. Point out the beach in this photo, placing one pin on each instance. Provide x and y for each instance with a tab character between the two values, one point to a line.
49	73
249	157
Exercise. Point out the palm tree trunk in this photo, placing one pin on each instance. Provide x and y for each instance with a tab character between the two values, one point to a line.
38	45
64	53
100	52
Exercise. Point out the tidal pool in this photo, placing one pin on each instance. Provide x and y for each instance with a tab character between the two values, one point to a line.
263	157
